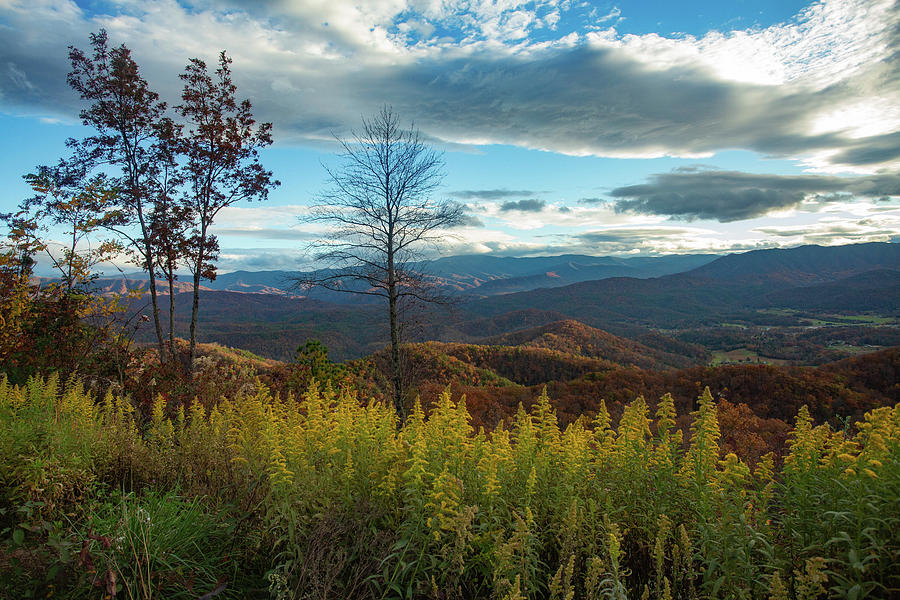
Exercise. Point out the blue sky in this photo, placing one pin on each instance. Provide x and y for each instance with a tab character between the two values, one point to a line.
591	127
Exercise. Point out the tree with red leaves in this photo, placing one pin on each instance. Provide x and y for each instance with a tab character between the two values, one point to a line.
221	146
130	125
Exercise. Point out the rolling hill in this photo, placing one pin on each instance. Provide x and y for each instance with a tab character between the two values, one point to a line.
576	338
876	290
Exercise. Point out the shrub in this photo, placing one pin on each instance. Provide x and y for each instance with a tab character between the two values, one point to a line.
331	496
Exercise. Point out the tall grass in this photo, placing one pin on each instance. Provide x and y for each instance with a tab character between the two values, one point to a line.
325	496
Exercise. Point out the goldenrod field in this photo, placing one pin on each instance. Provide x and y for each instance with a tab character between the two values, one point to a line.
325	497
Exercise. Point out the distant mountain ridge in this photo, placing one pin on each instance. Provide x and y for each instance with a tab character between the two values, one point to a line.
730	289
801	265
733	283
472	274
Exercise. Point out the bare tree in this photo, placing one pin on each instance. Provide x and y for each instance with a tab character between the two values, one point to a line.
221	146
381	214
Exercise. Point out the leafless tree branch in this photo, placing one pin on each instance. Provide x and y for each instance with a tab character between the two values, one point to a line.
382	215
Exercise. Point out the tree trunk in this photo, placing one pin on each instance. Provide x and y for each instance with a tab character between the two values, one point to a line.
154	301
148	264
395	357
195	307
171	277
395	327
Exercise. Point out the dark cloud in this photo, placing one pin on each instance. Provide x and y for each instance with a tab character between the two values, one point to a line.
720	205
589	100
732	196
632	234
468	220
531	205
875	150
592	201
583	99
490	194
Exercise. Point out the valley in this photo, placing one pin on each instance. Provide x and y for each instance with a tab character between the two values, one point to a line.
742	308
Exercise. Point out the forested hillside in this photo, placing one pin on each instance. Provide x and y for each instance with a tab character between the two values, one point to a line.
550	459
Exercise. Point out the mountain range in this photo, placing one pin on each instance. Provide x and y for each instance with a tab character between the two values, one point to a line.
470	275
498	300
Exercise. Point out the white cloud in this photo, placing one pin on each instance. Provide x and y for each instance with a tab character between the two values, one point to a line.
808	89
260	217
836	230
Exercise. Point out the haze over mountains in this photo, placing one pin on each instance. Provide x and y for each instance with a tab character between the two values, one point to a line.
725	286
660	299
479	275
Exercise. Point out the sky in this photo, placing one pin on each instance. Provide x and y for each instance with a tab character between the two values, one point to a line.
604	128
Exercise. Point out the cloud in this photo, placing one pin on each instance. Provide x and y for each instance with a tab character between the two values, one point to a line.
266	233
824	85
260	216
874	150
656	240
732	196
592	201
837	230
523	205
632	234
18	78
468	220
490	194
261	259
612	15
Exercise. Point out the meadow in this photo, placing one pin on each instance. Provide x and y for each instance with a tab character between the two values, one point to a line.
330	496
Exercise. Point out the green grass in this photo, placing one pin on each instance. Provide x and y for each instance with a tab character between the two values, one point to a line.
160	543
851	349
863	319
830	319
